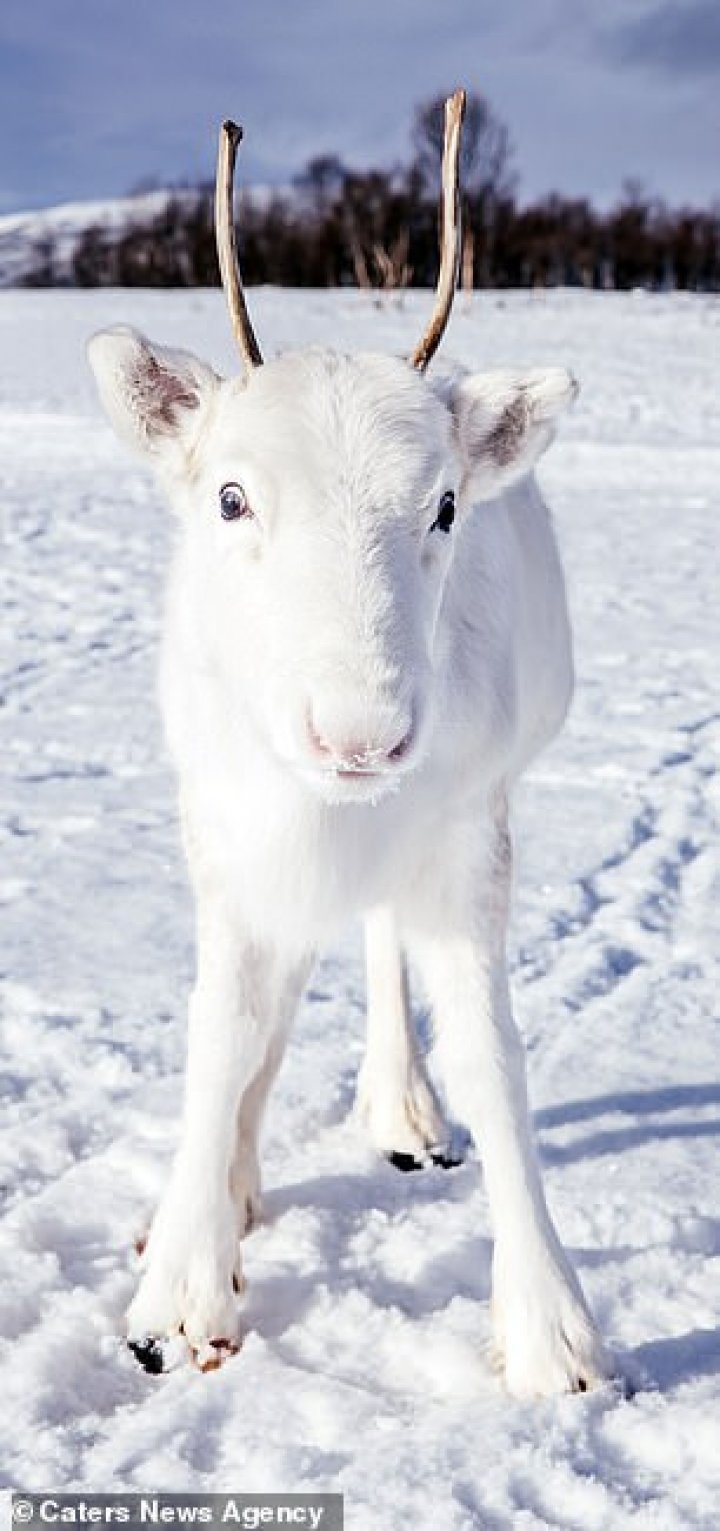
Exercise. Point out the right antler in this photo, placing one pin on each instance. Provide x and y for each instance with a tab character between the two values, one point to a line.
450	236
230	136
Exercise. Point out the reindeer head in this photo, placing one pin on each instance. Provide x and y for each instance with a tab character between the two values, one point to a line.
322	497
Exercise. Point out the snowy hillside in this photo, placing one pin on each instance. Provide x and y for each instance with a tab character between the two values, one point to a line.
364	1368
24	235
29	240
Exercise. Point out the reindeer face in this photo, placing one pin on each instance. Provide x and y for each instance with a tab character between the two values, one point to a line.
326	486
318	508
318	500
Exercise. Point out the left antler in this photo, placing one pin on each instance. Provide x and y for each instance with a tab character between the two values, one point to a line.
450	235
230	136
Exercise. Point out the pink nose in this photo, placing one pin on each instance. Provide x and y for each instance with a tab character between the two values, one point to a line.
355	752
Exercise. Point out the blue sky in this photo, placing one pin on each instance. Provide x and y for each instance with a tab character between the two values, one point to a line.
98	95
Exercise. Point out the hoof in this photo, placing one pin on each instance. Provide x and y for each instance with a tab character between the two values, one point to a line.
156	1356
404	1162
148	1354
443	1158
214	1354
446	1160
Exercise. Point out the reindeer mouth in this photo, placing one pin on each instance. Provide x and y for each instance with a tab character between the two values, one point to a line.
368	777
357	770
338	785
356	775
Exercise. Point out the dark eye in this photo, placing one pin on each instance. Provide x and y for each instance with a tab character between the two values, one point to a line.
233	502
446	513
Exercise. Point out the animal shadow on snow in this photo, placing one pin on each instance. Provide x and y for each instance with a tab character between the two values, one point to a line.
669	1362
276	1302
630	1103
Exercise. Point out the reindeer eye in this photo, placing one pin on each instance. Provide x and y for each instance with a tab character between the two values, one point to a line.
446	513
233	502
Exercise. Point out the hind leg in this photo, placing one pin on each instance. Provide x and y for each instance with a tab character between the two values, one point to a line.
395	1098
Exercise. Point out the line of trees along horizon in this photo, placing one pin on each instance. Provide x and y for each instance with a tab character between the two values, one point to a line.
378	229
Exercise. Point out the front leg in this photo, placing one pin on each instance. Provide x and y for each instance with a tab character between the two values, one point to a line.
245	1167
545	1335
191	1258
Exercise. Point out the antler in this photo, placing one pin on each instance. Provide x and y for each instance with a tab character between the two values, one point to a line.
230	136
450	237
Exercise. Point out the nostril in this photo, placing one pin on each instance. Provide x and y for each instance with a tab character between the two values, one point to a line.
348	750
400	750
320	745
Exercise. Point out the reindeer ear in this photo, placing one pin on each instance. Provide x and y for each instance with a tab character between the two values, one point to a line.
156	399
505	421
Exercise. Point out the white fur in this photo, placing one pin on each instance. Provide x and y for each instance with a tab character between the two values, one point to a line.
349	696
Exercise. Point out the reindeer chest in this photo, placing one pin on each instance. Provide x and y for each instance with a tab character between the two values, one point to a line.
297	870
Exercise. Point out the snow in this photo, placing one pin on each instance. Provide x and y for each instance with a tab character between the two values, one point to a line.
23	234
365	1368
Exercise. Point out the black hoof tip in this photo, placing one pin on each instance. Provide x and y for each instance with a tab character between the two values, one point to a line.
148	1353
446	1161
404	1162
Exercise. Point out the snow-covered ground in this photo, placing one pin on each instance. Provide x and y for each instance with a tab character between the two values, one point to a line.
364	1368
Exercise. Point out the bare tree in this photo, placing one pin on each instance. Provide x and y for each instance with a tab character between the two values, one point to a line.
486	152
319	186
375	214
486	174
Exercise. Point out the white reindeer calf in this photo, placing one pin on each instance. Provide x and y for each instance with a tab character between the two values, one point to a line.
366	642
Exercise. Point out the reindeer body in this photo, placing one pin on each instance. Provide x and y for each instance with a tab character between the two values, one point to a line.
366	642
351	683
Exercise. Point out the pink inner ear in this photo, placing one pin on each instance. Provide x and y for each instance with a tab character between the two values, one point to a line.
163	394
504	440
